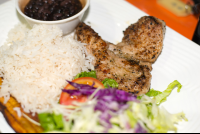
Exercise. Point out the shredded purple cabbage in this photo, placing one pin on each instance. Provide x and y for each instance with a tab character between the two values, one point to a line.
140	129
108	95
81	89
108	100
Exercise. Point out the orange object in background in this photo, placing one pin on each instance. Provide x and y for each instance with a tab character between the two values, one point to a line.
183	25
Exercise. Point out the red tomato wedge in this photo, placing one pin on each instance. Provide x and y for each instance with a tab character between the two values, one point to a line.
66	99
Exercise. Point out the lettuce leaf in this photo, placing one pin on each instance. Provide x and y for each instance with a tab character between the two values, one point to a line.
110	83
153	93
51	122
162	97
106	82
86	74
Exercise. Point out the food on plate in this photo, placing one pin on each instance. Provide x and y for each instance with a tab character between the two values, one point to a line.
14	115
106	82
20	124
111	111
162	96
110	83
86	74
107	90
52	10
87	81
35	64
131	70
142	41
66	99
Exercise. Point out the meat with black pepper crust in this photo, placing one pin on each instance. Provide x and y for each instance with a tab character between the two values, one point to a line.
142	41
131	75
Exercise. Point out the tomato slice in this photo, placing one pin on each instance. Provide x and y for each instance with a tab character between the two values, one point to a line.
66	99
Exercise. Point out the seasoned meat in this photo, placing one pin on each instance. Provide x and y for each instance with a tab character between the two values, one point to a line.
132	75
142	41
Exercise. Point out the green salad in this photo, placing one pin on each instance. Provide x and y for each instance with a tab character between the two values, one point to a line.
111	110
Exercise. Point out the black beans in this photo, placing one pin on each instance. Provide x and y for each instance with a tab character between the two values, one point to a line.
50	10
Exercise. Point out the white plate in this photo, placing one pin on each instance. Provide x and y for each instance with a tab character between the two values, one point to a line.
180	59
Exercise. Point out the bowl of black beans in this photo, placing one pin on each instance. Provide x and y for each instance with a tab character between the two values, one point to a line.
65	14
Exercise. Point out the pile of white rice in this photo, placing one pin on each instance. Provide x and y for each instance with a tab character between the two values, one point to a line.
36	63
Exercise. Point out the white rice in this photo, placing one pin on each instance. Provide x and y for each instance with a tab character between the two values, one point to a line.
36	63
18	110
